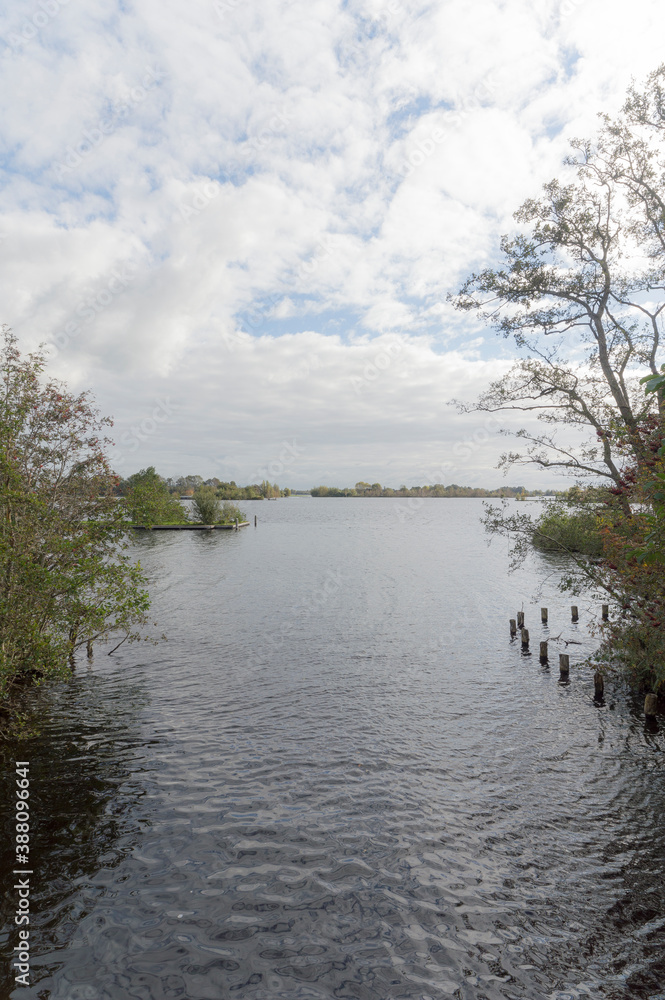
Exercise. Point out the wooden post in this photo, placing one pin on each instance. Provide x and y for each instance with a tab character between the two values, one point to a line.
573	613
89	648
520	619
564	666
598	684
513	627
525	638
606	612
543	652
255	520
651	705
543	615
236	524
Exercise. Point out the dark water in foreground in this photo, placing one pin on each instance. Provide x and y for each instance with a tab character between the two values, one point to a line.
338	779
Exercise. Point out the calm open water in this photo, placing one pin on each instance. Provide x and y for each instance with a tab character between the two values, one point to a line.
339	779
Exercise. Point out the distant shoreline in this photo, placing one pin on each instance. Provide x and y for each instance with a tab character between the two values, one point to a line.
444	493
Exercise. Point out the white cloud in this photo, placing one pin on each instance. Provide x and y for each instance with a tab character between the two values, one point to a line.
377	408
282	161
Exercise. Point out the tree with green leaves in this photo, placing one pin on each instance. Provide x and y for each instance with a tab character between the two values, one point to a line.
268	490
206	506
581	289
66	579
148	500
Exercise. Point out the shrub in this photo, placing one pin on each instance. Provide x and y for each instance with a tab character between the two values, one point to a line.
230	512
563	531
206	506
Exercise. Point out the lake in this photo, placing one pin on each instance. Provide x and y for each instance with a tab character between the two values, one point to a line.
339	778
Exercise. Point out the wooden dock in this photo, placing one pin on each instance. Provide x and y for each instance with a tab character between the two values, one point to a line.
190	527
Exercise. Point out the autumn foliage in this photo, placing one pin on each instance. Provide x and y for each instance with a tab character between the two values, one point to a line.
65	578
632	529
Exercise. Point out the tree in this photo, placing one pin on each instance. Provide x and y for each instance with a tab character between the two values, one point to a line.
582	291
209	510
634	551
653	484
66	580
268	490
624	524
184	485
148	500
206	506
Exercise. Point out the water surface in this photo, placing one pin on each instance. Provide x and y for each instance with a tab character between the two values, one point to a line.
339	779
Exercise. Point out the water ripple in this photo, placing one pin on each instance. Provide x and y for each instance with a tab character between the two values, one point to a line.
346	789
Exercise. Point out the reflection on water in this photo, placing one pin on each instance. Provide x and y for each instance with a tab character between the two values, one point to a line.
340	779
83	801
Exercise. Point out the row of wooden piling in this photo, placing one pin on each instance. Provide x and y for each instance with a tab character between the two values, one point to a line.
564	658
518	622
651	700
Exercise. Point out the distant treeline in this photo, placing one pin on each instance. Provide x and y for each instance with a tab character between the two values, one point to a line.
362	489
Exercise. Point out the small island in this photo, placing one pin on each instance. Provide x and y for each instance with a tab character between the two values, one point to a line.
152	504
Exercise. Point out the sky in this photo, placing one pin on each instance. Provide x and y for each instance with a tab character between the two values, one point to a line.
237	221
